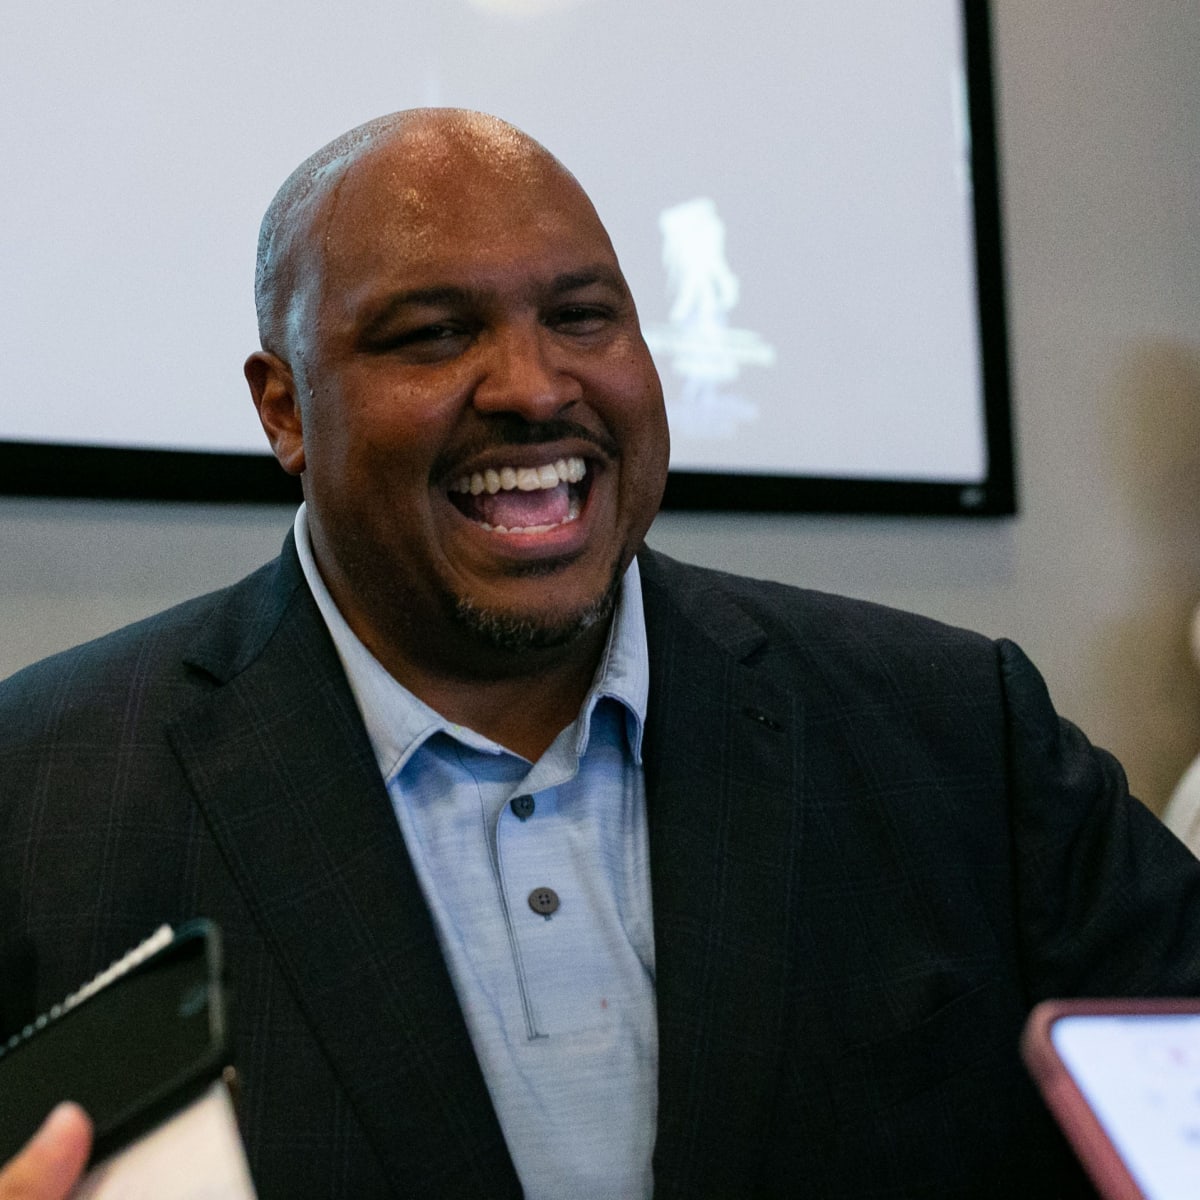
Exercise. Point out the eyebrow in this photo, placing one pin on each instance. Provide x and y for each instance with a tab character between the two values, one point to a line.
432	297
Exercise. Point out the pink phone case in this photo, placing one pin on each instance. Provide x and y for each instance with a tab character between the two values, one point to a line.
1070	1108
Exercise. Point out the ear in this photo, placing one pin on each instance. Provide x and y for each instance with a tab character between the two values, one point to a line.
274	391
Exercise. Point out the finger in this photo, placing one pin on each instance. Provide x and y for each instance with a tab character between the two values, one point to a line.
53	1159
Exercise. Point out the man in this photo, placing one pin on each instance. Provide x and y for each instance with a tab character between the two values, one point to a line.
427	768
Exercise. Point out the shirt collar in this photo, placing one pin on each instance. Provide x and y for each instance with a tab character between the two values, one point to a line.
398	722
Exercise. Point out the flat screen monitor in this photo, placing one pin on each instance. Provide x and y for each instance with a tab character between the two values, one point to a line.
803	196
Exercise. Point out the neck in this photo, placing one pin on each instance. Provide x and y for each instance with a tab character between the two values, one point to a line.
522	709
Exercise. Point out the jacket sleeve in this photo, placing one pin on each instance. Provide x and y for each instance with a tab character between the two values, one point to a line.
1107	899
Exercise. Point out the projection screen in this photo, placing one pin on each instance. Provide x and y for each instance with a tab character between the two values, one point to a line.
802	194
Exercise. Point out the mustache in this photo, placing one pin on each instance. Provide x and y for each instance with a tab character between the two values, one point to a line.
506	429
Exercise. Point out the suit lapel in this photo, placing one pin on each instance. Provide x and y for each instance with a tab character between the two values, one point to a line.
285	775
722	769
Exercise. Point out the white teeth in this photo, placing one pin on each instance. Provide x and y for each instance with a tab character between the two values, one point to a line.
572	515
526	479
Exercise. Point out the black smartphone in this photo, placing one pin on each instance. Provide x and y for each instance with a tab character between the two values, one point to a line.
138	1043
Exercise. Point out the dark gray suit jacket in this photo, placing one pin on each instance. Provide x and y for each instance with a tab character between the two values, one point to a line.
873	847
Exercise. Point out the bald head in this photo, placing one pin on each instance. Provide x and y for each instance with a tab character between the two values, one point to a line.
419	140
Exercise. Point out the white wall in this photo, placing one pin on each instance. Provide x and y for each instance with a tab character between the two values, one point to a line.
1100	133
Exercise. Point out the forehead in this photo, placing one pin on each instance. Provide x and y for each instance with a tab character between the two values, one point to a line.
408	212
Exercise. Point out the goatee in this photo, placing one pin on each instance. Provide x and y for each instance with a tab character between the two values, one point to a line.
515	634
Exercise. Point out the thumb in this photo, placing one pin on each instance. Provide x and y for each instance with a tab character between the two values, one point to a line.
53	1159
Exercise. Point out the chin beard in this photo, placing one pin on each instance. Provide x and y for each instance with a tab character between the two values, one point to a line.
514	634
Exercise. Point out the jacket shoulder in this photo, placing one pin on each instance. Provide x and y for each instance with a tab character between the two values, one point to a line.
786	619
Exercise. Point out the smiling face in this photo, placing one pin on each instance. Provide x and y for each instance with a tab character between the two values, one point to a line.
465	389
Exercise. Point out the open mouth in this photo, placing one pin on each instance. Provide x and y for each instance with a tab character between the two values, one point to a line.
524	499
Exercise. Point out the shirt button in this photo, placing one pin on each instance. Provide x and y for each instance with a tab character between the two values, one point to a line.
523	807
543	901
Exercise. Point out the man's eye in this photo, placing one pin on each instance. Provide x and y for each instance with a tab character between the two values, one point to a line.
436	340
430	333
580	318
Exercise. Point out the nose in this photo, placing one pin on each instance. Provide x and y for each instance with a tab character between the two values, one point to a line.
524	373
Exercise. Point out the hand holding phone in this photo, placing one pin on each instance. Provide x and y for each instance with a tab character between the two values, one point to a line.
143	1049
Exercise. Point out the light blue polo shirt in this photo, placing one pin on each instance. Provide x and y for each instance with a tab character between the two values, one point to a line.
538	879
